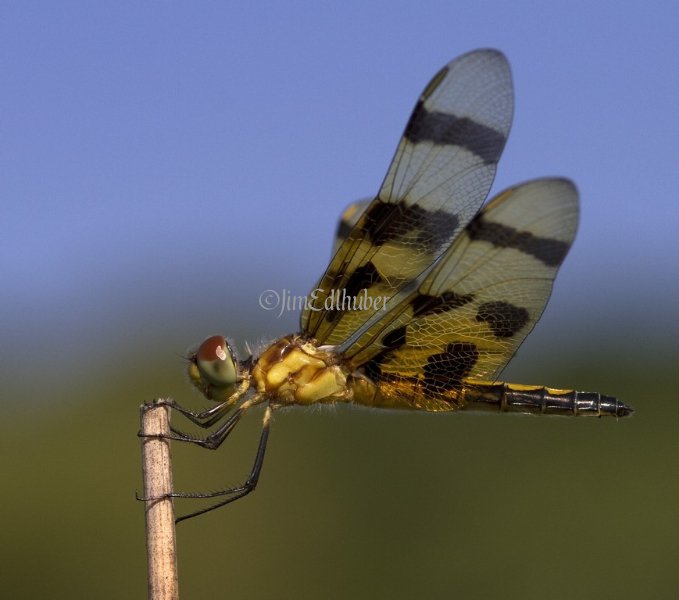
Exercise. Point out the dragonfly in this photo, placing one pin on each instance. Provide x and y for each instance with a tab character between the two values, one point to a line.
429	292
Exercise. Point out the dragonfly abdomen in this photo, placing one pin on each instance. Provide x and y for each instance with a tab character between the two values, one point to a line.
512	397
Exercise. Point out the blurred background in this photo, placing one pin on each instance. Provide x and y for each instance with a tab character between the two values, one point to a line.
163	164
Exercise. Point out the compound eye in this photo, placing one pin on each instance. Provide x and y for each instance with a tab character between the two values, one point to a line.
214	363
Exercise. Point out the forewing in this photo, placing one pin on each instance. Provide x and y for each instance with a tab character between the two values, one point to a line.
440	175
472	312
347	221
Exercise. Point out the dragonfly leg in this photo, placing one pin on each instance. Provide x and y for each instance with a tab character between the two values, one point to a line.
233	493
236	492
217	437
206	418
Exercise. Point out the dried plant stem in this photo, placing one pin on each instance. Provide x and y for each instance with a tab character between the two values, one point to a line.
161	547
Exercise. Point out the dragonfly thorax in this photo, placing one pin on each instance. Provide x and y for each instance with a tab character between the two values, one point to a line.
295	371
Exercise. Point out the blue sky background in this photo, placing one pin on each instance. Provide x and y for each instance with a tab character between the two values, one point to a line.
163	163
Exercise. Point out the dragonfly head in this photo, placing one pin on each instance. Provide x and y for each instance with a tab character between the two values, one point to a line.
213	368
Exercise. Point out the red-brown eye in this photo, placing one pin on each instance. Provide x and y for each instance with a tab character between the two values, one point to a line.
213	367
